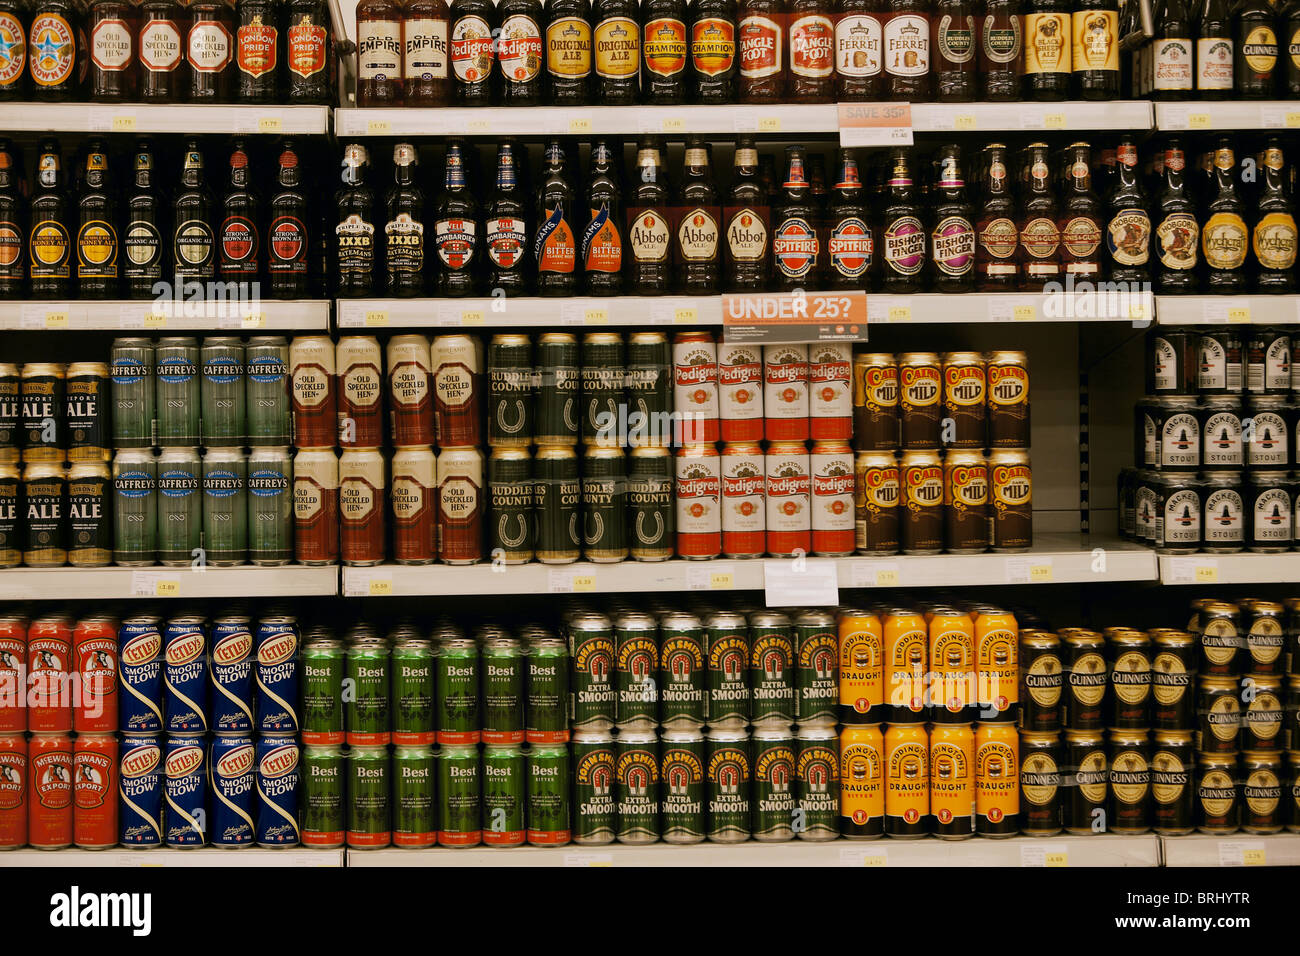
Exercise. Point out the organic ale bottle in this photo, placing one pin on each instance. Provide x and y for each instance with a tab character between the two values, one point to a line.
952	38
473	55
426	77
811	39
664	51
507	226
554	248
1095	32
1224	238
112	51
796	249
952	236
1001	53
210	52
695	245
997	237
601	243
309	52
617	46
288	239
194	239
1274	240
1173	65
908	65
1040	234
161	51
1048	50
851	246
1128	232
1178	234
404	226
1080	222
568	52
713	57
379	53
56	51
50	238
746	215
457	233
257	51
146	224
859	36
1215	64
1291	39
239	248
97	245
903	234
519	52
13	50
648	226
1255	70
760	38
354	225
13	223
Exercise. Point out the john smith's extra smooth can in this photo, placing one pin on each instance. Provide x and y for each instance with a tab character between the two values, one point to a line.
727	661
592	690
131	366
816	653
636	786
682	693
774	783
771	666
817	783
594	809
636	662
729	771
681	774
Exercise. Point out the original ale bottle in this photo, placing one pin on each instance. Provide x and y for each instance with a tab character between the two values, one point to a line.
426	79
1040	233
239	248
1215	63
1290	38
457	232
13	50
695	238
354	225
746	215
554	243
568	52
649	224
404	226
851	242
1255	68
288	238
952	235
506	226
908	67
796	247
1094	31
811	40
1048	49
56	50
309	52
1177	237
997	236
97	242
760	38
903	234
194	251
519	52
859	38
49	240
1274	240
112	51
146	224
1173	64
1128	232
616	39
209	52
1001	51
473	52
665	49
953	42
600	247
379	53
1224	238
1081	216
257	51
160	46
13	224
713	55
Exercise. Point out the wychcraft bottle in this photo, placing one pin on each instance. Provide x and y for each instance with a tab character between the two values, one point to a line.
952	237
404	226
1224	237
903	235
379	53
616	37
600	246
554	244
112	51
760	39
309	53
747	218
1040	236
13	224
257	51
997	237
1177	237
909	63
1215	62
714	58
161	50
796	248
1256	67
1128	233
665	50
457	233
1174	65
1094	26
1274	238
288	237
97	242
569	54
649	226
239	245
859	60
1081	216
1048	50
520	52
473	60
50	237
507	226
194	251
426	70
354	226
851	246
811	40
13	65
146	225
952	40
1001	56
696	238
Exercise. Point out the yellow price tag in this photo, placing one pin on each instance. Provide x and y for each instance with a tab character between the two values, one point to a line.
123	124
1059	858
721	581
1292	120
674	124
252	321
1198	121
56	320
167	589
595	317
1137	313
965	121
269	124
900	313
152	320
1054	121
1253	857
875	860
886	579
769	124
1206	575
381	587
1239	314
1040	573
581	125
1024	313
584	582
378	127
377	317
686	316
473	317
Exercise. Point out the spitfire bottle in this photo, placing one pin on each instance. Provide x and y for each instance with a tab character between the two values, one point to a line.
1081	217
97	244
239	246
426	71
1001	53
49	242
617	47
404	226
257	51
851	246
309	52
56	51
160	45
696	240
665	49
569	69
288	238
600	247
908	52
457	231
1094	26
1177	236
952	236
1040	232
146	225
714	59
746	216
997	237
554	246
1048	50
1274	240
649	227
760	40
1224	238
953	41
193	239
506	226
903	234
13	222
1128	233
210	52
379	53
811	39
354	225
112	51
1255	68
796	248
859	36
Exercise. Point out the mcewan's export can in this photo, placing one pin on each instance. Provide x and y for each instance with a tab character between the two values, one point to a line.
94	791
460	506
740	391
682	693
410	404
49	796
789	498
13	683
907	781
361	386
1012	487
952	780
361	506
1042	679
650	511
862	676
559	499
94	659
698	491
636	786
997	665
457	362
877	485
85	411
512	524
952	688
817	783
921	515
315	506
904	646
681	775
785	393
1172	760
832	474
965	501
1008	391
413	496
875	401
594	809
830	391
744	513
604	504
816	652
771	663
695	386
90	534
964	398
862	782
558	378
727	660
1086	778
1040	783
313	387
510	391
49	674
649	389
729	768
920	394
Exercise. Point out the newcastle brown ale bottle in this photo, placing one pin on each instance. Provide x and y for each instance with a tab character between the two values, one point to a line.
851	247
13	49
1256	62
473	56
1214	59
1128	233
112	51
903	234
796	247
859	35
354	225
1080	221
379	53
568	52
457	233
209	52
161	47
13	224
507	226
288	239
1048	50
649	228
1178	234
404	226
257	51
746	215
617	42
760	31
997	236
811	39
1224	238
425	70
146	225
56	54
309	52
49	244
714	60
664	51
600	246
952	237
1094	28
239	246
97	245
1040	234
1001	54
908	53
1274	240
696	239
554	246
194	243
952	38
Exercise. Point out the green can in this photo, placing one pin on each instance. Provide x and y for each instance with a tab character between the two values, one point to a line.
636	786
636	669
324	814
817	783
365	694
266	362
651	514
816	667
221	391
510	391
559	501
512	519
774	784
180	506
131	368
727	649
591	691
604	504
412	692
460	796
368	798
225	506
771	659
729	769
415	796
503	665
457	677
602	389
547	707
595	814
681	770
270	506
557	389
323	664
548	795
504	807
177	392
681	672
650	385
135	507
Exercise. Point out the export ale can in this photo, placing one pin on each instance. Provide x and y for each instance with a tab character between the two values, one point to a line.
11	525
548	795
460	506
361	506
546	703
771	659
313	391
231	674
636	786
729	771
225	506
410	403
231	777
90	533
789	498
85	411
177	383
180	506
594	811
222	391
41	389
727	663
460	796
744	512
94	791
11	435
740	392
131	371
324	810
270	506
1040	783
559	504
817	783
512	519
412	664
681	772
682	697
907	781
504	804
604	504
591	689
457	680
503	664
185	792
366	709
774	784
457	362
140	790
862	782
636	662
45	502
816	654
695	386
415	796
558	379
510	391
649	389
698	490
650	511
323	665
369	820
360	360
316	506
413	496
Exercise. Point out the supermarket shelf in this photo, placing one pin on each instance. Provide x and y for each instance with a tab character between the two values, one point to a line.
994	117
161	315
1243	568
1216	116
159	582
1055	558
1017	851
1225	309
1238	849
162	118
171	857
976	307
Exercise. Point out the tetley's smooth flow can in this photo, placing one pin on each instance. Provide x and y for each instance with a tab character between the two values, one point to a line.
277	675
277	791
185	676
230	776
140	765
187	792
140	666
232	675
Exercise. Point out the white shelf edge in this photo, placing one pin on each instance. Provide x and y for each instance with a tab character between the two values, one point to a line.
1228	309
20	584
147	315
1233	849
1242	568
164	118
1218	115
1030	116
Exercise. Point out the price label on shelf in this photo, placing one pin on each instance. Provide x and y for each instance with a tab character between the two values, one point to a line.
874	574
1193	570
710	576
56	320
864	856
252	320
900	313
769	124
569	581
1241	853
800	582
1198	120
1035	570
673	124
580	124
378	127
875	124
966	122
376	318
362	582
1054	121
1010	310
269	124
1040	855
598	316
588	859
154	584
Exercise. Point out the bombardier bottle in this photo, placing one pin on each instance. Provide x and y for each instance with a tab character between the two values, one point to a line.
507	227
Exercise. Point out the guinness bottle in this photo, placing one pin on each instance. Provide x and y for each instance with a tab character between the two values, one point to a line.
713	60
97	247
851	247
695	247
13	50
1274	240
56	51
1173	65
1080	216
288	239
240	246
554	246
903	232
1255	69
952	38
859	37
1001	55
997	236
907	51
760	31
568	52
457	234
747	215
796	247
811	37
13	222
425	70
379	53
1178	235
257	51
50	240
209	51
665	50
952	237
1224	238
1040	235
1128	234
309	52
354	225
649	229
161	47
404	226
146	224
473	52
193	241
601	244
112	51
1095	32
1048	50
507	226
617	44
1214	58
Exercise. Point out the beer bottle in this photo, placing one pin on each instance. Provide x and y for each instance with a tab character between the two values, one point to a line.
1094	29
1128	233
1176	238
425	71
904	237
507	225
379	53
713	60
1255	70
568	52
601	243
747	216
1171	52
760	28
1291	37
664	51
851	245
257	51
997	236
56	55
952	38
1040	236
859	35
309	52
49	241
519	52
811	39
162	51
1080	223
13	221
696	239
239	249
404	226
193	239
112	51
13	50
1048	51
146	222
617	45
554	248
473	52
821	198
209	50
796	249
97	247
908	67
1001	56
354	225
1274	241
1214	59
288	240
1224	238
952	237
457	235
648	227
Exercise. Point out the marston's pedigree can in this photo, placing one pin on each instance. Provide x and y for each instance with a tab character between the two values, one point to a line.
230	778
789	498
740	392
232	675
695	386
141	670
831	468
186	792
830	391
785	392
698	489
94	791
278	779
140	791
185	675
744	511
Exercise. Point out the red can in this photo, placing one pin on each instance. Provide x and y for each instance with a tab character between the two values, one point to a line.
457	390
361	506
698	488
315	391
744	517
49	791
831	466
695	386
785	392
13	791
361	388
414	497
410	403
316	506
740	391
49	677
789	499
830	391
94	791
460	505
13	675
94	648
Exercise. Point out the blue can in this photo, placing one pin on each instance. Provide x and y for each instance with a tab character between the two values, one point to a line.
140	790
140	666
186	788
185	675
277	675
278	779
231	777
232	675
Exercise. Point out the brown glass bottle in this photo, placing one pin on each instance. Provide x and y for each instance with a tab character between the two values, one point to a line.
810	40
909	70
520	51
1256	67
1001	58
665	50
161	50
97	240
746	216
1224	237
760	38
1214	58
288	237
1094	26
1128	231
1177	237
1040	236
850	246
13	67
649	223
796	247
49	239
859	37
1048	50
146	225
194	238
404	226
569	54
616	39
1289	42
379	53
309	53
257	51
953	42
473	59
952	234
714	60
600	245
1174	63
1080	221
903	234
506	226
997	265
426	71
210	52
457	232
354	234
1274	240
13	224
112	49
696	251
554	244
239	242
56	53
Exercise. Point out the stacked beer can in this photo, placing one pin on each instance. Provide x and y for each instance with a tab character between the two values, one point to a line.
313	388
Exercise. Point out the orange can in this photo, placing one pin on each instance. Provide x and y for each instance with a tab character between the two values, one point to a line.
94	791
13	675
952	780
13	791
49	666
907	781
862	782
94	649
905	643
952	667
997	665
49	791
997	780
862	673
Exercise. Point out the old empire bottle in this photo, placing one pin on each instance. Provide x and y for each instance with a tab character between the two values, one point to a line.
664	51
1274	241
379	53
210	52
288	239
97	246
426	79
851	245
1256	61
601	243
1214	57
1172	61
952	239
308	52
952	38
760	32
1094	27
506	226
811	38
1080	217
145	227
473	52
1224	238
714	60
746	215
554	245
903	235
1001	55
568	52
1048	50
1178	234
1128	233
696	238
908	52
649	229
49	240
997	237
519	52
1040	233
161	51
257	51
239	247
354	225
112	51
56	51
404	226
194	251
457	234
859	36
796	247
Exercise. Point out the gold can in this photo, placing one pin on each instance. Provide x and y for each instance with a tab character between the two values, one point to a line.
952	785
997	780
862	782
907	781
862	673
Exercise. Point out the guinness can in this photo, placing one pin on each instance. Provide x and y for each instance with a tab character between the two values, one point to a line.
1130	781
1086	680
1040	784
1172	763
1130	678
1292	793
651	532
1218	806
1218	624
1042	679
1218	713
877	486
512	524
1265	627
1262	715
862	782
1262	781
1086	779
1173	668
875	401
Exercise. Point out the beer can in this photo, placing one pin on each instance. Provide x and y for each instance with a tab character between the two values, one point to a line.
410	404
505	811
788	488
413	694
785	393
313	388
1218	794
636	786
922	514
457	362
94	791
1130	781
905	645
503	663
140	643
323	663
1262	713
774	783
45	501
140	798
277	676
559	504
89	534
953	689
1042	679
369	794
1173	670
729	771
361	506
875	401
740	392
11	434
44	765
920	399
1219	626
907	781
1007	375
41	390
13	673
831	469
222	391
232	775
1218	710
952	780
830	391
94	655
816	653
1086	680
324	813
1172	762
361	386
1291	793
512	518
131	368
510	391
862	782
727	662
771	665
861	668
316	506
744	510
557	389
997	665
965	501
546	701
817	783
176	377
649	389
636	657
1268	361
1087	779
225	506
1264	626
85	411
1221	363
602	387
185	675
682	693
366	713
697	489
997	780
965	399
185	792
414	498
650	512
1129	653
594	809
279	779
456	680
604	504
548	795
592	685
695	386
270	505
415	796
12	522
460	506
1262	779
1040	783
1011	487
877	485
180	506
49	674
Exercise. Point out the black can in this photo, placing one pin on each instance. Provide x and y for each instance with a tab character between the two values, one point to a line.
90	515
1267	499
41	396
1220	371
1086	778
1262	713
1266	431
1178	514
1262	782
603	378
1291	732
649	387
512	521
1219	625
1130	781
1218	715
650	511
1042	678
1292	798
1173	669
1223	523
1293	641
1144	507
1040	784
1178	435
604	504
1221	443
1264	623
1172	768
85	411
1129	653
1086	680
557	389
510	391
1218	804
1268	361
1172	361
559	504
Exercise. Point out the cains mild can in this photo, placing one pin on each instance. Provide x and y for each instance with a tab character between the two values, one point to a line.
186	792
594	810
324	813
681	774
817	783
232	675
140	669
277	675
862	782
140	791
636	782
729	769
230	778
185	675
591	650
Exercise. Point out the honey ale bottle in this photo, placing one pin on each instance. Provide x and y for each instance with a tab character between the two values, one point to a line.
1048	50
851	245
568	53
714	60
1128	231
13	224
379	53
859	64
288	238
506	226
760	30
1095	32
239	246
161	50
695	245
1215	63
908	66
903	234
1256	68
354	226
649	224
952	38
257	51
426	70
1174	65
97	242
519	52
1178	234
1224	238
112	51
457	235
997	237
473	52
1040	236
796	247
665	49
747	216
146	224
404	226
1274	238
194	251
554	246
309	53
811	40
617	45
1081	216
50	238
600	246
952	237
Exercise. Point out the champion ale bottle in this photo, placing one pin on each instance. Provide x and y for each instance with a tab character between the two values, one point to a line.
859	38
695	235
760	32
404	226
519	52
1001	51
908	52
746	215
665	49
649	228
568	53
713	52
112	51
507	227
379	53
1048	50
426	77
1177	236
473	73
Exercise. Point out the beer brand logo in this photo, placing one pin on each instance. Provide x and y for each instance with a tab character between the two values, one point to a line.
505	241
160	46
1081	237
110	45
1177	235
747	236
140	761
471	49
881	383
97	664
183	761
850	247
954	245
13	49
921	385
963	385
956	39
860	772
519	48
1043	680
1011	485
50	246
795	247
52	49
1008	384
760	47
713	46
288	239
1088	679
256	47
1168	777
1217	792
602	249
858	40
882	487
637	772
697	236
907	45
568	47
905	245
1040	238
999	237
278	762
970	485
52	775
455	240
1130	776
812	46
94	771
209	46
1275	241
306	48
1001	44
554	246
1262	791
1128	237
665	47
1260	49
618	48
232	649
1224	241
924	486
234	763
649	235
238	239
